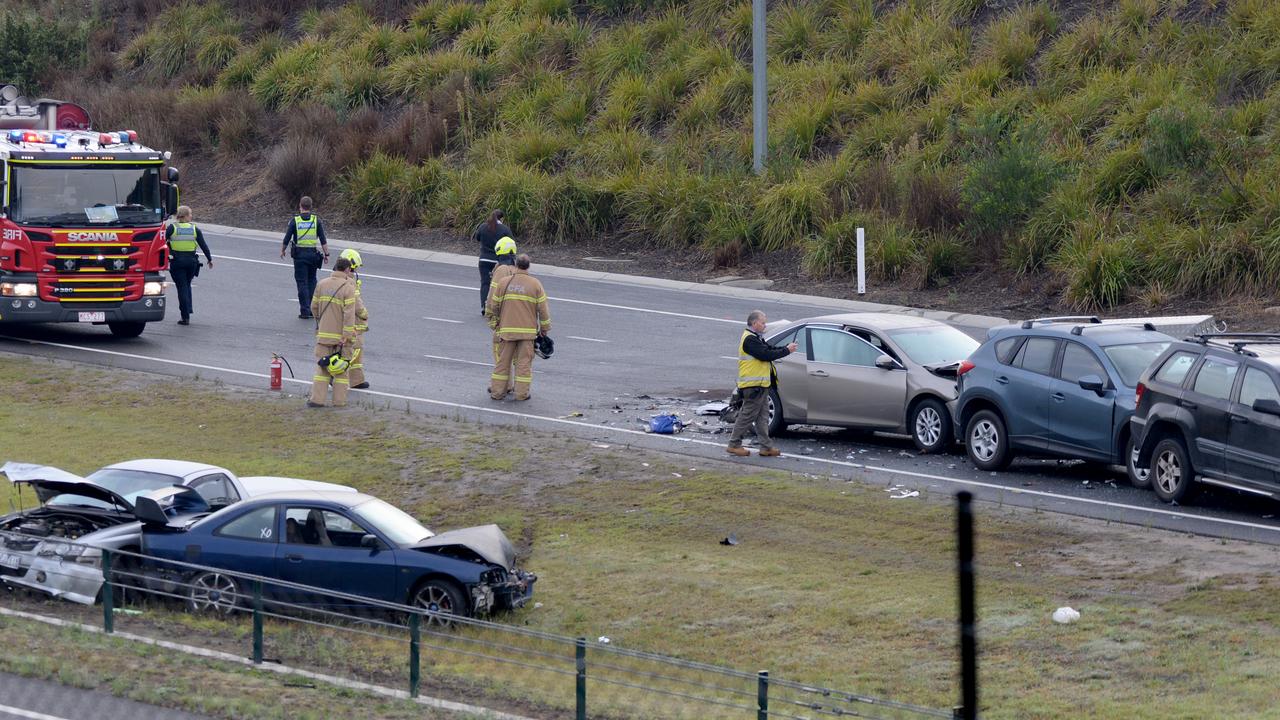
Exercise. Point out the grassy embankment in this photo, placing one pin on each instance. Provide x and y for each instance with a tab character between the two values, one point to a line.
1113	150
833	582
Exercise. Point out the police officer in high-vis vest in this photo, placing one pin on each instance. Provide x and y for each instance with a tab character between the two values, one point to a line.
310	251
184	238
755	377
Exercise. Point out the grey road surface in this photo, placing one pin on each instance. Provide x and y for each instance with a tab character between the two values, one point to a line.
27	699
624	351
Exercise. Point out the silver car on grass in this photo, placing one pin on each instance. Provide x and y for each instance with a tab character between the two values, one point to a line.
97	513
877	371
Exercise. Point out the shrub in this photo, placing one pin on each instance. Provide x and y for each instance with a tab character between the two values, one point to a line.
415	135
299	167
1002	189
941	257
846	31
290	76
833	250
374	189
933	201
794	31
892	251
788	212
536	148
33	48
574	209
1121	174
174	42
1174	139
242	69
514	188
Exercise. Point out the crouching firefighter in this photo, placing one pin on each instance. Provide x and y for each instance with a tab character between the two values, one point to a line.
356	374
334	307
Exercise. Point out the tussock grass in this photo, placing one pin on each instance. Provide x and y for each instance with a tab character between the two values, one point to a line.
965	131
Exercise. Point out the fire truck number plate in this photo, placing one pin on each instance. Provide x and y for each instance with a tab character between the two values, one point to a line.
93	317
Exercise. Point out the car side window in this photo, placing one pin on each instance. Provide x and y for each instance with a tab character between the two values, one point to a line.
837	346
1215	378
1257	385
877	342
1079	361
797	336
1036	355
313	526
1006	348
1175	369
216	490
257	524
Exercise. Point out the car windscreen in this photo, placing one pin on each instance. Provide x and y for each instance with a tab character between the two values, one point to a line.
936	345
85	196
399	527
1132	359
128	484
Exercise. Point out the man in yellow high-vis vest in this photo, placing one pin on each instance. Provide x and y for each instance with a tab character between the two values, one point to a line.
755	377
184	239
310	251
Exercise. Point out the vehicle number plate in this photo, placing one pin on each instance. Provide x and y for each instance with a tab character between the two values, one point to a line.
93	317
10	560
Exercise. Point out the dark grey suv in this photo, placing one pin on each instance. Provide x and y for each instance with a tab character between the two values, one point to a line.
1208	411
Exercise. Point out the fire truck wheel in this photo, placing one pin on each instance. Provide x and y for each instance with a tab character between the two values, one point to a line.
127	329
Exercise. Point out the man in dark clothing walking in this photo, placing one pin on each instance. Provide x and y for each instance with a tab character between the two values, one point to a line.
755	377
310	251
488	233
184	237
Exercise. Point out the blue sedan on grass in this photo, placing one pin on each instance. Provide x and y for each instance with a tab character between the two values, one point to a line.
346	542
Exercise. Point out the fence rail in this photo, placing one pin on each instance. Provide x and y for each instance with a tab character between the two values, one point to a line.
542	674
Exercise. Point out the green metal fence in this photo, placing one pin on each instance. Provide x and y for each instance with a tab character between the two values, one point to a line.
508	668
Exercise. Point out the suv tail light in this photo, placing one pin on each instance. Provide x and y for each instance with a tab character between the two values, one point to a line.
1137	394
965	366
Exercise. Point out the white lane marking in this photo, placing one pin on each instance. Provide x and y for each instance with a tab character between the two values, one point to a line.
469	362
728	357
10	710
471	288
445	320
691	441
575	337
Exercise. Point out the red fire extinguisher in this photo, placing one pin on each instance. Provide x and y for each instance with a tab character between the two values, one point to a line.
277	372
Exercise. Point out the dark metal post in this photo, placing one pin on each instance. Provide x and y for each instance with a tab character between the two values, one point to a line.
968	624
762	695
108	595
580	655
415	643
257	622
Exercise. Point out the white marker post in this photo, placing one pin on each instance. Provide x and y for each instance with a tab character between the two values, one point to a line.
862	261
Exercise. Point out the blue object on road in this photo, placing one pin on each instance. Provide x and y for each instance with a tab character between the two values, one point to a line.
665	424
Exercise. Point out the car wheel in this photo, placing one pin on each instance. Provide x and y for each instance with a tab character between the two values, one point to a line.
1172	476
930	425
777	424
442	597
986	441
213	592
1138	477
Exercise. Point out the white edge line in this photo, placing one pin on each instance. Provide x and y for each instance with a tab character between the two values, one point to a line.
692	441
443	320
271	667
595	340
10	710
471	288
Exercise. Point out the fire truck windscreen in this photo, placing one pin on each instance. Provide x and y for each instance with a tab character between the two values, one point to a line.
82	196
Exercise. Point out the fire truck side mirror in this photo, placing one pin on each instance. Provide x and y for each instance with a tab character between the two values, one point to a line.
173	174
170	198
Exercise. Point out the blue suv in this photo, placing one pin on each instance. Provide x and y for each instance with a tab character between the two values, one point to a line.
1056	387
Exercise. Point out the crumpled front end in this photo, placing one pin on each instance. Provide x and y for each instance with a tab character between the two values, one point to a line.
502	590
77	580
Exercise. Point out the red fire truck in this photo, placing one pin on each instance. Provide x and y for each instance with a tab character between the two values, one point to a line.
82	224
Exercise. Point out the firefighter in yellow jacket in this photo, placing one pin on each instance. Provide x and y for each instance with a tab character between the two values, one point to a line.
505	249
518	313
334	307
356	373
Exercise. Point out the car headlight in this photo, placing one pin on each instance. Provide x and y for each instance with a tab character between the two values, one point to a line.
88	556
12	289
153	288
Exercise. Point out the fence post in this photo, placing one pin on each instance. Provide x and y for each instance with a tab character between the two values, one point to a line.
108	595
580	655
257	622
968	625
415	640
762	695
862	261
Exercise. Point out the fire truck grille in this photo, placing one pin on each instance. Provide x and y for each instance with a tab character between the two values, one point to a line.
89	292
91	257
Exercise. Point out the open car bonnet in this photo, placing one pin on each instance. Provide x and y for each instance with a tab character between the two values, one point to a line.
49	482
487	541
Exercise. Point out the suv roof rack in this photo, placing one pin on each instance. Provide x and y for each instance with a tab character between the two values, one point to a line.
1091	319
1079	329
1241	340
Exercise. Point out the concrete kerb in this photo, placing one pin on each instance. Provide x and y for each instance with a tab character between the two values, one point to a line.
449	705
837	304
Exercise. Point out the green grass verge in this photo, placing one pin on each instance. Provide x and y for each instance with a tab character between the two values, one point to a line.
833	583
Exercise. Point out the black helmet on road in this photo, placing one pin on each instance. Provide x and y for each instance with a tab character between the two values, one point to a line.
543	347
